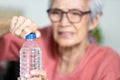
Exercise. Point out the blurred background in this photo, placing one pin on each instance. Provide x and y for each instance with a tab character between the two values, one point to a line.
108	31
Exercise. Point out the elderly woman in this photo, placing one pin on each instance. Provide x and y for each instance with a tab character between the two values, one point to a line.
67	52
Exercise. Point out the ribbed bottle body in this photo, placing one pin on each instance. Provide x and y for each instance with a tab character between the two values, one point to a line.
30	58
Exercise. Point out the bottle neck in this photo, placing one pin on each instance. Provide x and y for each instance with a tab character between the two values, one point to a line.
30	39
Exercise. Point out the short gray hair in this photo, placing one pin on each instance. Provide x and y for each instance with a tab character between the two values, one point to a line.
96	7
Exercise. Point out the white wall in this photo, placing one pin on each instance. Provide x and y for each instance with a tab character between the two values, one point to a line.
36	9
110	24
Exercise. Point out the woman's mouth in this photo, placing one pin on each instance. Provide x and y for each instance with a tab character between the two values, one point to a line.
65	34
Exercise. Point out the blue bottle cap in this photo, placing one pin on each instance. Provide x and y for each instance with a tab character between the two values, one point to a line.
31	36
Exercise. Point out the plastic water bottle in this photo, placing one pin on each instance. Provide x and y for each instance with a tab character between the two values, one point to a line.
30	57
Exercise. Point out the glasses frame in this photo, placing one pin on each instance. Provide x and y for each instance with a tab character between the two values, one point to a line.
66	12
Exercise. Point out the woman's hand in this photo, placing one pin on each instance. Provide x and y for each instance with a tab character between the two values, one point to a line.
21	26
37	75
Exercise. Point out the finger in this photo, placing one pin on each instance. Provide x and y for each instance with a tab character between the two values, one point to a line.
38	34
21	28
39	73
19	23
13	23
35	78
18	78
28	30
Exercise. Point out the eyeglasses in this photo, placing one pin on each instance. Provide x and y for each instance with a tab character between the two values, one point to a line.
73	15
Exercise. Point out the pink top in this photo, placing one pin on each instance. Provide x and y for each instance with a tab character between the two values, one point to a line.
99	63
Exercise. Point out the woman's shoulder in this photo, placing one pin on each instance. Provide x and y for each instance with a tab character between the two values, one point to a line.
107	50
107	53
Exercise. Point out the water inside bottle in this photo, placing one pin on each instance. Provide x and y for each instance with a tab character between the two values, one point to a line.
30	60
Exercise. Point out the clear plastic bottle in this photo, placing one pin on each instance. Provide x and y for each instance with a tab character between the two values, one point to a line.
30	56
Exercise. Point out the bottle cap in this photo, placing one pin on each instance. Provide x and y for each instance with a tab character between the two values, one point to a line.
31	36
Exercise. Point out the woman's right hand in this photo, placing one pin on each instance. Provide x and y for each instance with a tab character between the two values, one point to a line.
21	26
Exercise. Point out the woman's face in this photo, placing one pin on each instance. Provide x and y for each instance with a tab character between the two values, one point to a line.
65	32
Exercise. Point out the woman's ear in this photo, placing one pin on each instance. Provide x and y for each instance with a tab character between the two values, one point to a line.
95	22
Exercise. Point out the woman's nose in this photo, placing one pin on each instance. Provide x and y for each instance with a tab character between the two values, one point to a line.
64	20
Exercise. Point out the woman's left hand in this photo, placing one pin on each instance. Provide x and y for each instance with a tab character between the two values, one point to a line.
37	75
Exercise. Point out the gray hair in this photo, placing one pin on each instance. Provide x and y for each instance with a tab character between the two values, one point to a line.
96	7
